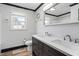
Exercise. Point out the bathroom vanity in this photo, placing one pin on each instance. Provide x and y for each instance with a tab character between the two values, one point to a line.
42	49
53	46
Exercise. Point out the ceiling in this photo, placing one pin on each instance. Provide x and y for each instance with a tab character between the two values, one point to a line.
28	5
61	8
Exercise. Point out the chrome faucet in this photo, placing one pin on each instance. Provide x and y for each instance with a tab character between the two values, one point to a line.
67	37
47	34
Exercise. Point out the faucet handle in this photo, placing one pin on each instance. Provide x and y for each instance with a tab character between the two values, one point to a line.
47	34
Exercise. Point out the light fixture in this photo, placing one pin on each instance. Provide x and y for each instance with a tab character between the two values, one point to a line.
52	9
48	6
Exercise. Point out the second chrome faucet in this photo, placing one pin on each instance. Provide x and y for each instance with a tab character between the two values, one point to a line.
68	37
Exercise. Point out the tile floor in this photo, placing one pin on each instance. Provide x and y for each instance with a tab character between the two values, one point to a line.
17	52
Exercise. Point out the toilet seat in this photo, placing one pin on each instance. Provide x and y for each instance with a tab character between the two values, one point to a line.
29	45
29	42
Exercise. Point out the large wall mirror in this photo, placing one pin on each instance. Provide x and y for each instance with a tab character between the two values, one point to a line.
59	13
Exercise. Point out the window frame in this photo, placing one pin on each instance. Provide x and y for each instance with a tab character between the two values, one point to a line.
11	25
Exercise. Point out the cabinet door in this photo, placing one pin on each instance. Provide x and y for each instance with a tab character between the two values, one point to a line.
41	48
35	46
46	51
49	51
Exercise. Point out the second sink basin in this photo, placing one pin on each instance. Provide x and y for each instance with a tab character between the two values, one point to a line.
69	45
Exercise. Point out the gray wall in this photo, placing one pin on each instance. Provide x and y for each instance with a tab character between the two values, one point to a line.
15	38
60	30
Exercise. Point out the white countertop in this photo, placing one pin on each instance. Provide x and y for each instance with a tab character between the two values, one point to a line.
74	51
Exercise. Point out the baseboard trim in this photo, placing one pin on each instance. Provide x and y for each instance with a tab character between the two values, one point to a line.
12	48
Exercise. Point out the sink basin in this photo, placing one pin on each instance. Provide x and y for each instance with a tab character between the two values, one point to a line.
69	45
48	37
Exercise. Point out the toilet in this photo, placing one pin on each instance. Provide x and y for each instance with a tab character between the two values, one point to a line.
29	45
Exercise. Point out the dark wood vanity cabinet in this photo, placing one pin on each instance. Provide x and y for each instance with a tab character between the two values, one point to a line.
41	49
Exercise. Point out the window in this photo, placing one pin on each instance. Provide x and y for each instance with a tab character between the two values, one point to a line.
18	22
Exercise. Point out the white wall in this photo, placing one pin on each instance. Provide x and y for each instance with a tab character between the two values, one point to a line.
60	30
15	38
0	33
